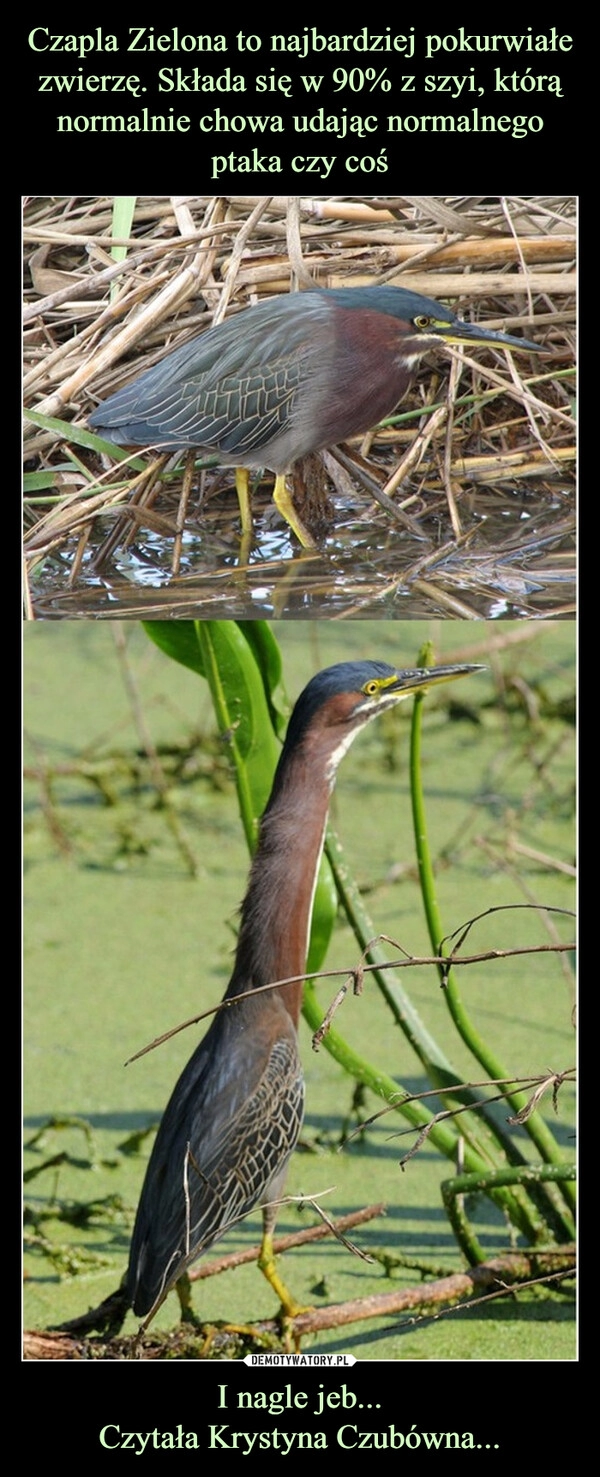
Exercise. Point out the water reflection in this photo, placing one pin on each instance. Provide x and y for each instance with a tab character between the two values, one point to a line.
514	558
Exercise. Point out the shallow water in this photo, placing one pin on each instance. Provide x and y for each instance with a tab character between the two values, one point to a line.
515	558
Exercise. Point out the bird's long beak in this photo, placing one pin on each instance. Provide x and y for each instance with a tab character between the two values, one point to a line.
471	333
424	677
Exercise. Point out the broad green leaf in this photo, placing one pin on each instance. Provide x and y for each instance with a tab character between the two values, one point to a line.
242	663
268	656
179	641
242	710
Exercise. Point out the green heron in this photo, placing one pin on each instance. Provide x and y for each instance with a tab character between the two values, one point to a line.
287	377
227	1134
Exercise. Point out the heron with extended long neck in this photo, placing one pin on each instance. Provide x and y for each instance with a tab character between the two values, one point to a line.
234	1117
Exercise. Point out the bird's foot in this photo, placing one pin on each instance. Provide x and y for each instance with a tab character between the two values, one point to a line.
289	1307
183	1288
283	501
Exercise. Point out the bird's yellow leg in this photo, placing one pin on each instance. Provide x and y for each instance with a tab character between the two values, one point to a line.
183	1288
283	501
268	1266
242	487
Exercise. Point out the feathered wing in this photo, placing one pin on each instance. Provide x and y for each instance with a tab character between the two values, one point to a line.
226	1135
215	391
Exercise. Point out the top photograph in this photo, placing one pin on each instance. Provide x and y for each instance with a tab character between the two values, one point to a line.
288	408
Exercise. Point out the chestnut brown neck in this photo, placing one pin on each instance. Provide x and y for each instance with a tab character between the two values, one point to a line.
277	909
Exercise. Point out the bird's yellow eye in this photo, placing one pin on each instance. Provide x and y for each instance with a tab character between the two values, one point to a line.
371	688
422	321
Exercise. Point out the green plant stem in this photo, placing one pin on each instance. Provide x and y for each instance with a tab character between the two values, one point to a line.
455	1189
483	1132
536	1127
445	1135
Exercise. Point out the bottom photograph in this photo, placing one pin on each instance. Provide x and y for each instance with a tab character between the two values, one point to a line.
299	1000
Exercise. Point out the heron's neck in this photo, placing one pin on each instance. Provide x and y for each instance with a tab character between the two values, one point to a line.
277	909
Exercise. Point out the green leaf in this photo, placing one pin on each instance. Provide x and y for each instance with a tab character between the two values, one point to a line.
268	656
241	662
242	710
179	641
122	218
78	436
